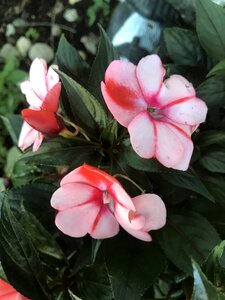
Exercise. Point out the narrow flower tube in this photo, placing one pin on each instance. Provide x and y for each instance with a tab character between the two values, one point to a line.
91	201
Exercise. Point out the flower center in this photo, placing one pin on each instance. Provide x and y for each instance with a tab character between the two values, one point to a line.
108	200
155	112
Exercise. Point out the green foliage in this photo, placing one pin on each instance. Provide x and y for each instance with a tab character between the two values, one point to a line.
101	7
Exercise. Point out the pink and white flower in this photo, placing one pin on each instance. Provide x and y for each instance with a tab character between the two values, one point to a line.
160	116
91	201
7	292
42	93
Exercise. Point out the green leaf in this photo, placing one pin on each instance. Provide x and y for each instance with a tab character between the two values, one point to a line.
211	137
216	187
13	124
149	165
210	24
93	283
214	161
42	240
212	91
213	268
73	297
109	134
87	111
66	153
106	53
186	236
218	70
132	266
203	288
188	181
183	46
70	61
19	257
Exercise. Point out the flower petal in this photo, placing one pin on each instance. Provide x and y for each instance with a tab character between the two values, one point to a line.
38	73
46	122
79	220
121	92
191	112
169	148
150	73
75	194
7	292
52	77
153	209
184	137
175	88
38	141
27	136
105	225
31	97
51	101
142	135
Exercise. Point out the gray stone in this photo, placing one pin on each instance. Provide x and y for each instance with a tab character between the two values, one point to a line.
9	51
10	30
90	42
71	15
41	50
23	44
56	30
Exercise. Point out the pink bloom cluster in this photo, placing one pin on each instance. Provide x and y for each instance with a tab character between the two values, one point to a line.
42	93
160	116
7	292
91	201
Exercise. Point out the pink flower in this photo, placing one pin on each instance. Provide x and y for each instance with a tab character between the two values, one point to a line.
91	201
160	116
42	93
7	292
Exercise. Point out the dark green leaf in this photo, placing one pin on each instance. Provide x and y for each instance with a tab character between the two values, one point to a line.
66	153
214	161
183	46
210	24
213	268
109	134
216	187
73	297
19	257
212	91
186	236
87	111
70	61
203	288
188	181
211	137
105	55
132	266
218	70
13	124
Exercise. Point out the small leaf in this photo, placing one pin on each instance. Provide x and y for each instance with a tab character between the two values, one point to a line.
19	257
210	24
87	111
106	53
186	236
132	266
203	288
13	124
183	46
214	161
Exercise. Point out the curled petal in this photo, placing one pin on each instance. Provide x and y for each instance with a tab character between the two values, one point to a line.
142	135
38	72
45	122
121	92
153	209
189	112
150	73
175	88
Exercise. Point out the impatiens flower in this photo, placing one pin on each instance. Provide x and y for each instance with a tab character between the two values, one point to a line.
42	93
160	116
91	201
7	292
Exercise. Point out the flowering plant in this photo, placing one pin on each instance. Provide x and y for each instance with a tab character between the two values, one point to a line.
121	193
